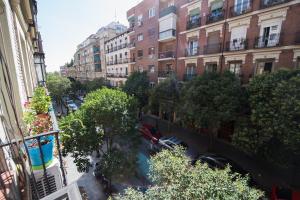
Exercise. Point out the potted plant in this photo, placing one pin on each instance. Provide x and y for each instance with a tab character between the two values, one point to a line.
38	121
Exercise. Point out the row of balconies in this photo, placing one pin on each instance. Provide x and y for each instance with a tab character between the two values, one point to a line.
120	61
170	73
117	75
116	48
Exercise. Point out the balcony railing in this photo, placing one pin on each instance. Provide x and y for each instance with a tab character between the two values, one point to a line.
194	23
237	45
272	40
166	11
192	52
131	45
167	54
270	3
241	8
214	17
117	75
188	77
165	73
168	34
212	48
130	29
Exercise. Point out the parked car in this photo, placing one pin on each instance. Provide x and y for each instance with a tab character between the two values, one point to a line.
81	98
279	193
71	105
170	142
149	132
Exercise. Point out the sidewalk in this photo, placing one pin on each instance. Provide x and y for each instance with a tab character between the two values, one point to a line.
264	174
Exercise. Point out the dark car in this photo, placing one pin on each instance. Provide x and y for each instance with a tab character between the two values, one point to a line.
149	132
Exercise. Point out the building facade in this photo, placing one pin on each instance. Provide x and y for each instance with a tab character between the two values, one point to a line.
247	37
117	59
89	59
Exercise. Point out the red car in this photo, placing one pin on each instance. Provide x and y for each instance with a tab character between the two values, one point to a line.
150	133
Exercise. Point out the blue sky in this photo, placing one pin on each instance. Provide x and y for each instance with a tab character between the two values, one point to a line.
66	23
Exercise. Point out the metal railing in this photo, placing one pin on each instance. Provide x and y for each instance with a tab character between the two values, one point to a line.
166	11
214	17
192	52
272	40
241	8
237	45
194	23
167	54
212	48
270	3
167	34
131	45
117	75
165	73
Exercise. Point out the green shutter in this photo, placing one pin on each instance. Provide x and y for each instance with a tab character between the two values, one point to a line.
195	11
216	5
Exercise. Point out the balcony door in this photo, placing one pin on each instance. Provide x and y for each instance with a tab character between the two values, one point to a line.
264	67
193	47
269	34
238	38
241	6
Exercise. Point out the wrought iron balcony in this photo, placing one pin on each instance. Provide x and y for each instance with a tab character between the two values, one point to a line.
167	54
192	52
165	73
270	3
167	35
212	48
166	11
188	77
194	23
215	17
237	45
272	40
241	8
117	75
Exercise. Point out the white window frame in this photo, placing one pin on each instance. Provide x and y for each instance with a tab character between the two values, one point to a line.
151	12
140	37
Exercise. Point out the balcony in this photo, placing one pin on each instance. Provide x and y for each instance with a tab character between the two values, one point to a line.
166	11
270	3
130	29
241	8
215	17
131	60
188	77
117	75
272	40
194	23
189	52
165	73
212	48
167	35
131	45
166	55
237	45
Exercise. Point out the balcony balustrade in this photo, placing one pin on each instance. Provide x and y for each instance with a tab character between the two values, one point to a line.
215	17
192	52
270	3
272	40
167	54
166	11
241	8
212	48
194	23
117	75
167	35
237	45
165	73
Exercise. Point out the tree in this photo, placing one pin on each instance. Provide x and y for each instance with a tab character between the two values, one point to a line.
165	97
58	86
105	122
272	127
211	99
137	85
93	85
175	178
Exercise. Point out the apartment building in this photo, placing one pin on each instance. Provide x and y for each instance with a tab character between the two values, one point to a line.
89	59
117	59
247	37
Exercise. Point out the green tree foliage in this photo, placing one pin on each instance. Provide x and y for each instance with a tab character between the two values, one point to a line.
105	122
40	101
93	85
165	96
137	85
211	99
58	86
273	127
175	179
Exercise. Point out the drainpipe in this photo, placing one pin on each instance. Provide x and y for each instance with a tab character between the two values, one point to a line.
224	35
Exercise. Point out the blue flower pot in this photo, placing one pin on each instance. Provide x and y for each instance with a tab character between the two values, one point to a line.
35	155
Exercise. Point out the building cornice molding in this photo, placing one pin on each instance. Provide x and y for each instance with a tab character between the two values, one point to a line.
237	57
241	22
266	55
280	13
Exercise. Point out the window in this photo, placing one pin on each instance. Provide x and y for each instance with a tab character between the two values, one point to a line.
193	47
235	68
211	67
121	55
298	63
140	53
151	68
151	51
126	54
151	12
152	84
241	5
140	37
216	8
264	67
140	20
171	3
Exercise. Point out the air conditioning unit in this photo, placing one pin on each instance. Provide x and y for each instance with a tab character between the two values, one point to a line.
53	182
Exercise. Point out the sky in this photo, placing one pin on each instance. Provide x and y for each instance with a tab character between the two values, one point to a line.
66	23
